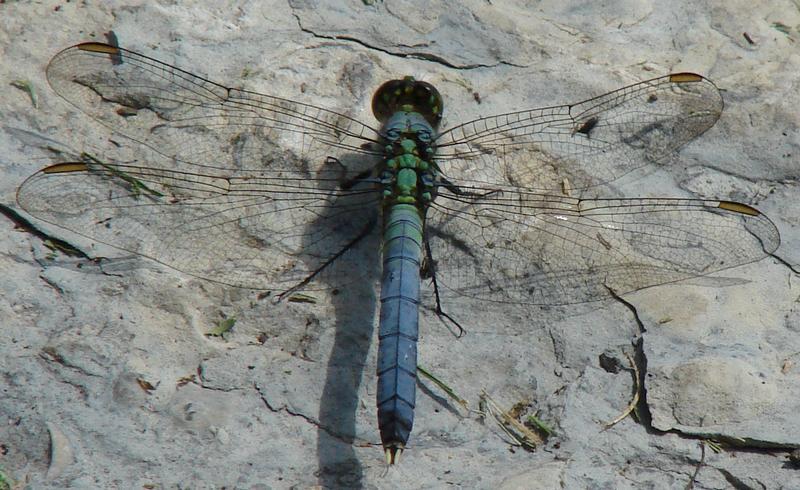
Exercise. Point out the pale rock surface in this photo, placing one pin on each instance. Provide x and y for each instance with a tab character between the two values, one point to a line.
108	380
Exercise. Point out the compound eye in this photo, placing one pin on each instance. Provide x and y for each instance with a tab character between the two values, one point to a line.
430	102
407	95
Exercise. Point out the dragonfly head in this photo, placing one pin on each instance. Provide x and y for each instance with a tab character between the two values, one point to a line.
407	95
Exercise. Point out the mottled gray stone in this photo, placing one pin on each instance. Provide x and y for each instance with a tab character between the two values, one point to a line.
286	398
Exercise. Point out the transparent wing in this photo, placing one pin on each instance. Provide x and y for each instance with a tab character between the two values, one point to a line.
188	119
584	144
259	230
227	185
515	246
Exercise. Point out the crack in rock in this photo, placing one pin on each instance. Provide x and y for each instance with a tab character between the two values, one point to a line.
285	409
737	483
415	55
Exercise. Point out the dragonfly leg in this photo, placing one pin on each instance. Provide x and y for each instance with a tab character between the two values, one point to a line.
455	189
351	182
364	232
429	270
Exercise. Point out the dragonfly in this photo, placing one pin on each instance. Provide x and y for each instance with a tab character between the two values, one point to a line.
258	191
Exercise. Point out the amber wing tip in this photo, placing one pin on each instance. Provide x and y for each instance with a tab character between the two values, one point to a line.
65	167
685	77
98	48
738	207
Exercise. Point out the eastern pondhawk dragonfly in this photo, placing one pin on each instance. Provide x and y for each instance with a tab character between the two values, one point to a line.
262	192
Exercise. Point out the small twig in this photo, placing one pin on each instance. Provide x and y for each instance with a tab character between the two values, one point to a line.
690	484
634	401
523	436
449	391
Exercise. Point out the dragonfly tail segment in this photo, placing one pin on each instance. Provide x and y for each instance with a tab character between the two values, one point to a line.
399	327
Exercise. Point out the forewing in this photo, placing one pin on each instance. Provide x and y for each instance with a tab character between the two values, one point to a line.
585	144
190	120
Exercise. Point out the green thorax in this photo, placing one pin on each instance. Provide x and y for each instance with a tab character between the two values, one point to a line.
410	111
407	178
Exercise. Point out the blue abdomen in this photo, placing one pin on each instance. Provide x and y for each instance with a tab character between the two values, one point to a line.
399	326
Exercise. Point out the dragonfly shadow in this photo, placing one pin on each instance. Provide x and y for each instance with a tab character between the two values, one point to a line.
354	310
351	278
